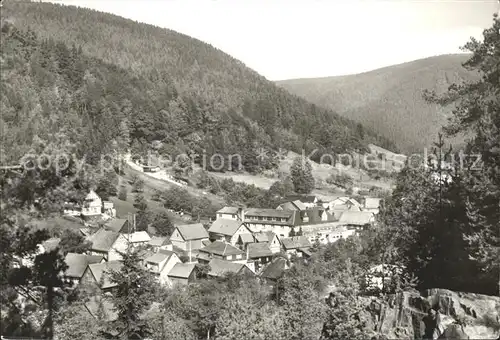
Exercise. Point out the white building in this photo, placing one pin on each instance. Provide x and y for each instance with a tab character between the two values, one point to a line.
332	236
372	205
229	213
92	205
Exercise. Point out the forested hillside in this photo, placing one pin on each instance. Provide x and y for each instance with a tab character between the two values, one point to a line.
390	100
100	78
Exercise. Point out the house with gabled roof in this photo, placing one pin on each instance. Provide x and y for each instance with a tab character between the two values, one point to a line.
161	263
228	230
138	238
244	240
77	264
108	244
220	268
271	239
338	210
310	201
229	213
98	275
189	236
259	253
280	222
182	274
292	205
315	215
119	225
92	205
357	219
223	251
343	201
296	245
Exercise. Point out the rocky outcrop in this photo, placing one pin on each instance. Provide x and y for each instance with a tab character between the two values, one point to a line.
464	315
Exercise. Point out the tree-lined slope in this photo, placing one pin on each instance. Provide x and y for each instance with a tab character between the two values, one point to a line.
162	85
390	100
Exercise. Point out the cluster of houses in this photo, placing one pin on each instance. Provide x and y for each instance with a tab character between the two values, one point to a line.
250	241
239	240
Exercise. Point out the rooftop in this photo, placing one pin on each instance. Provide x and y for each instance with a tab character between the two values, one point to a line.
182	270
359	218
225	226
293	205
246	238
115	224
138	237
345	200
222	267
228	210
77	263
192	231
269	212
221	248
265	236
157	241
256	250
92	196
296	242
103	240
303	198
157	258
101	270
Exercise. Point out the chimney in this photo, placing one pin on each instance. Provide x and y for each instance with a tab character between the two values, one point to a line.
241	214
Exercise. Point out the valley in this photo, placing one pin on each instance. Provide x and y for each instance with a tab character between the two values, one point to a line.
154	187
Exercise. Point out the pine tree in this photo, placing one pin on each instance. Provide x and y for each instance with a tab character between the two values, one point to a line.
477	113
301	175
133	295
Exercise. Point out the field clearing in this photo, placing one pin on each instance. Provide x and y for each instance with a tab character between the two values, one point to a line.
320	172
259	181
151	183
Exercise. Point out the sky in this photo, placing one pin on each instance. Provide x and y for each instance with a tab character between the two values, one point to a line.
285	39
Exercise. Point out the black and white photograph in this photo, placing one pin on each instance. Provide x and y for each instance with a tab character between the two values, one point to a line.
249	169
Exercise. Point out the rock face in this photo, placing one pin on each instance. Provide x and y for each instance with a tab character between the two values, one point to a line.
463	315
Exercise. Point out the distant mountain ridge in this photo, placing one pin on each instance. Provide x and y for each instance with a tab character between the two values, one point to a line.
390	100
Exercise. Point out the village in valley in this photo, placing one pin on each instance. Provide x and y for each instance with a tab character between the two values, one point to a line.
256	241
155	187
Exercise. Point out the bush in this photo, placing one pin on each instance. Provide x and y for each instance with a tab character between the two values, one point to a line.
156	196
138	185
122	195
